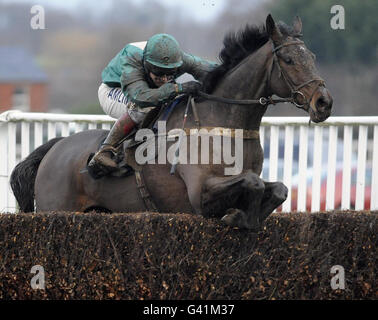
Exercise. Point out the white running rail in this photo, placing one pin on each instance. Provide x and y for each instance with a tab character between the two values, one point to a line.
310	160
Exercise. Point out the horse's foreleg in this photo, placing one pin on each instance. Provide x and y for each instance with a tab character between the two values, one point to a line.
275	194
238	197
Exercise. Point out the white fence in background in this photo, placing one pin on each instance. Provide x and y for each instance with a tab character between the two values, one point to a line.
310	160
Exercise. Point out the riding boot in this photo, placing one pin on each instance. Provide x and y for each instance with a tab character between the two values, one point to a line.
103	157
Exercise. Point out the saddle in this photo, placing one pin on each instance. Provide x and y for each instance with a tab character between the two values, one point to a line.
124	153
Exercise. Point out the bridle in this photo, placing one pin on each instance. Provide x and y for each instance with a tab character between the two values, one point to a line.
265	101
295	89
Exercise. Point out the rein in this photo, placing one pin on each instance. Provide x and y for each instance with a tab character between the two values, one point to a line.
265	101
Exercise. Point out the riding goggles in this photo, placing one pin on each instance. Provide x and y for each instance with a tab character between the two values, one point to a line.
161	77
162	73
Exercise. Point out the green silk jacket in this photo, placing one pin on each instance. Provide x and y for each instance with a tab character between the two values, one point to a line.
126	70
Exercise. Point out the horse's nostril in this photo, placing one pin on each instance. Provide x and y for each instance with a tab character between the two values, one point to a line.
323	104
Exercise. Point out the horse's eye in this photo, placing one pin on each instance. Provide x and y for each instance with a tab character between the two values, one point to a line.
288	60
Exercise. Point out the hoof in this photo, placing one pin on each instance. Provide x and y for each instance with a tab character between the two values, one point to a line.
235	218
238	218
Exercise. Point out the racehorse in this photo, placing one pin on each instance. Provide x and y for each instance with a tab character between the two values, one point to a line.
256	63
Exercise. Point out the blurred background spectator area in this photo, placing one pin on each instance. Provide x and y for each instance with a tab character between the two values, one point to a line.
23	84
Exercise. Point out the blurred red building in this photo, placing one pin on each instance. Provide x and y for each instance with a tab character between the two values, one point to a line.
23	85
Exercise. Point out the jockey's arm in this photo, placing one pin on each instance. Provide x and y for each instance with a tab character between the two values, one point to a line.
197	66
136	88
141	94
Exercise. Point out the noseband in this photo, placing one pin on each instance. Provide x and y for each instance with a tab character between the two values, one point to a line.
295	89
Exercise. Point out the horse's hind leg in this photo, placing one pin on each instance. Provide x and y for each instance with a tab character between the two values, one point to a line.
239	197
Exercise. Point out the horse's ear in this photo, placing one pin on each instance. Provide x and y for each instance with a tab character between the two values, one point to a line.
297	25
272	30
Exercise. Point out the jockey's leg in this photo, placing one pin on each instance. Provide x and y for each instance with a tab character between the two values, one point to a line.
120	129
112	101
115	104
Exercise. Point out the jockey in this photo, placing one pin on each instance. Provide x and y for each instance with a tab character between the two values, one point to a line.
136	81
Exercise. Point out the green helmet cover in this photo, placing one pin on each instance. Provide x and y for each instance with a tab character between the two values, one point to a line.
163	51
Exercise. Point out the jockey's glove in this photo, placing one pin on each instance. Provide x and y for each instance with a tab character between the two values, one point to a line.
190	87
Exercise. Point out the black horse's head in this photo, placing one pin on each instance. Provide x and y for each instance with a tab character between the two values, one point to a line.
293	70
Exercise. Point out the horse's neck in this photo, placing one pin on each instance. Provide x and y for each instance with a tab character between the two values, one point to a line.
248	80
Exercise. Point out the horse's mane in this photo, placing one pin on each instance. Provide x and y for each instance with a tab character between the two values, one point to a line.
237	46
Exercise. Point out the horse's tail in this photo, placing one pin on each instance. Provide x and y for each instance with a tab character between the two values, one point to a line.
23	176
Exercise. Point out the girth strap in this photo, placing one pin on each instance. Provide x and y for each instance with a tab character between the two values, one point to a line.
227	132
148	201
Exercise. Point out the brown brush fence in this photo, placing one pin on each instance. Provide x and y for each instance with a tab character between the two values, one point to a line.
179	256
